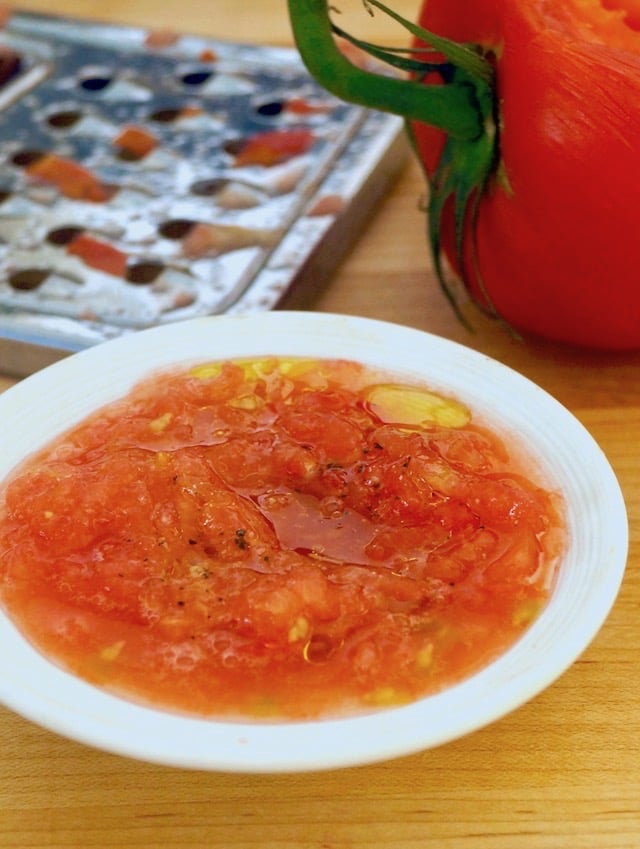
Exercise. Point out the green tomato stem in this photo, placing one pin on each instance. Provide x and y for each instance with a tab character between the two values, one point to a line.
451	108
463	105
463	56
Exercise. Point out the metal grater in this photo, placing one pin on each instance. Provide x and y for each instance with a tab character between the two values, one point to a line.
148	178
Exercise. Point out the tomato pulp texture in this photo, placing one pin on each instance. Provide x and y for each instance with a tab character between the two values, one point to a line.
276	538
535	208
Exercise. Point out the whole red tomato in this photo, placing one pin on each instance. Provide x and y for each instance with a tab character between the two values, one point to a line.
556	231
535	205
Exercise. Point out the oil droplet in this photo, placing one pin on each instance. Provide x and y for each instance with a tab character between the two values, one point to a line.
318	649
271	501
206	371
332	507
405	405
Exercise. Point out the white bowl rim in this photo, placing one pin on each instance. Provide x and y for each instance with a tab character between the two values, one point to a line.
70	389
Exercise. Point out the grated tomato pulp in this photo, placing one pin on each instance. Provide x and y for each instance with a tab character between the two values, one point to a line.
277	539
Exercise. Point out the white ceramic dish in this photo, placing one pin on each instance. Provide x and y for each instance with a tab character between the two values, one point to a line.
52	400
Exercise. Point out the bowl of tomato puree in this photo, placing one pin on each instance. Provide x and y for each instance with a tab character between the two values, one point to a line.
293	541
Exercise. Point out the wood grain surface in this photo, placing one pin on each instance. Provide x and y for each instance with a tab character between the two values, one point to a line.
562	772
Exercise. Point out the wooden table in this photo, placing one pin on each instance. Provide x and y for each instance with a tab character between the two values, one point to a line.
562	771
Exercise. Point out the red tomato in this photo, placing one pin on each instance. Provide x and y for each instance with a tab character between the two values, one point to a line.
557	249
526	117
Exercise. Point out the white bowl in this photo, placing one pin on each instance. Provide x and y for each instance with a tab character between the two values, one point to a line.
49	402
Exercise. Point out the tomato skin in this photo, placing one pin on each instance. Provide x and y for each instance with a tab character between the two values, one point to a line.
556	249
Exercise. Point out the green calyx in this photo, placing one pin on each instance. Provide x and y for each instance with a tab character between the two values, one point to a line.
462	103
